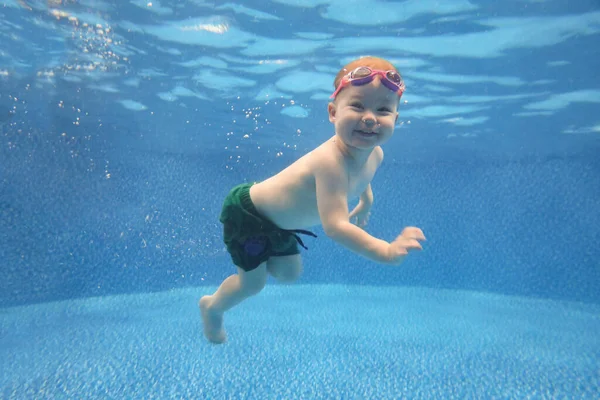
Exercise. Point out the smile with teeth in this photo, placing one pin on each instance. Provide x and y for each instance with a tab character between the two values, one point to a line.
366	133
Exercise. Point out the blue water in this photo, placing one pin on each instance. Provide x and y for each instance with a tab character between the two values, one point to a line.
123	124
305	341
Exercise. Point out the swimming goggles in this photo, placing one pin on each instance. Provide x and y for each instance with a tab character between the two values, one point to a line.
362	75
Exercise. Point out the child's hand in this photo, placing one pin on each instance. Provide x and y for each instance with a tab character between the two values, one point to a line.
360	215
407	241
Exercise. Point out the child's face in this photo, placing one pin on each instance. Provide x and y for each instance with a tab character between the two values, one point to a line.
364	116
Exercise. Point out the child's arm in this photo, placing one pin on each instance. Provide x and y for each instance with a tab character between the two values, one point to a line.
362	211
367	195
332	193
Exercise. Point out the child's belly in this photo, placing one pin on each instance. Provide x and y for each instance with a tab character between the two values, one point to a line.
286	209
291	214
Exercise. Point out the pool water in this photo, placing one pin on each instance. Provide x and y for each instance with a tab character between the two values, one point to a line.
304	341
124	124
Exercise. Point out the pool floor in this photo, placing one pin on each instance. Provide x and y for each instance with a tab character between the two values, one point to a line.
303	342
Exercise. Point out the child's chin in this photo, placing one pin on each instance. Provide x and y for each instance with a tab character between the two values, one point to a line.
364	145
366	140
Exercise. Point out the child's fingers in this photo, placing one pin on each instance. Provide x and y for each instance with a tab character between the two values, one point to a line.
413	233
404	245
413	244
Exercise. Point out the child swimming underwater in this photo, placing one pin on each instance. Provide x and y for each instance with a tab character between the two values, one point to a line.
262	221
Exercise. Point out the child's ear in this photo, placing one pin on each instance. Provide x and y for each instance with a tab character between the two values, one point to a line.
331	110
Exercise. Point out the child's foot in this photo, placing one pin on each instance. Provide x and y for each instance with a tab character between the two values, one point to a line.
213	322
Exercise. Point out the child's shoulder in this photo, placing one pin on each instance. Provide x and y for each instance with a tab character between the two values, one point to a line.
378	154
328	151
328	159
326	154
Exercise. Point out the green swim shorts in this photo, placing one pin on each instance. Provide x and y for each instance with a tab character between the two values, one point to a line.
252	239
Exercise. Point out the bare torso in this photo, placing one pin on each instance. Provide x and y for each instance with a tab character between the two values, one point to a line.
289	198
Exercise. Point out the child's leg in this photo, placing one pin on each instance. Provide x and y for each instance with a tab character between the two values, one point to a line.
285	269
232	291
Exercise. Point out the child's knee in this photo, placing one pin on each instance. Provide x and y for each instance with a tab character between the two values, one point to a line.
288	274
252	282
254	287
285	268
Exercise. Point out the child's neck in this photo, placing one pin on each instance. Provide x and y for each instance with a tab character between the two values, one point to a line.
357	156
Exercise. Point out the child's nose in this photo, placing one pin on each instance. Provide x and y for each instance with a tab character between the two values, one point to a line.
369	120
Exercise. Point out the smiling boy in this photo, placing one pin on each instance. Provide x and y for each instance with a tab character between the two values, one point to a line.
263	221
